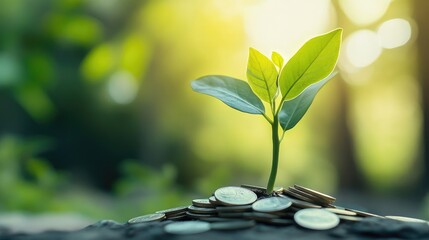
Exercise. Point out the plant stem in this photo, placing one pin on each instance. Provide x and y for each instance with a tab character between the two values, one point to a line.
276	149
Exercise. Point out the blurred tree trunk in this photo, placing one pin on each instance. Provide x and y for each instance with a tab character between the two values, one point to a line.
350	176
422	19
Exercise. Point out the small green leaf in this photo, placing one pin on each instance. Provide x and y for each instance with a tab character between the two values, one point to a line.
293	110
277	59
313	62
262	75
233	92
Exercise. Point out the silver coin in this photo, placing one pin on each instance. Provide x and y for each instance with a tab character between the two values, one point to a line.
147	218
363	214
406	219
316	219
194	209
204	202
187	227
232	225
300	204
315	193
199	215
235	196
271	204
340	211
213	201
172	211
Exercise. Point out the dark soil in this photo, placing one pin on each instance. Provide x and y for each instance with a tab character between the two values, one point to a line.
369	228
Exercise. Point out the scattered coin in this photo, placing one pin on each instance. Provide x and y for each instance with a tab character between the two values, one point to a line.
271	204
406	219
363	214
199	215
232	225
315	193
340	211
256	189
194	209
235	196
179	217
295	195
213	201
172	211
301	204
187	227
147	218
316	219
204	202
313	198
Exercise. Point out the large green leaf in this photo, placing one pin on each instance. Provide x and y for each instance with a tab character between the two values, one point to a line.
262	75
233	92
293	110
313	62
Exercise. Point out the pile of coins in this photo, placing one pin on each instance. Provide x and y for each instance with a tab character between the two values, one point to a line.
232	208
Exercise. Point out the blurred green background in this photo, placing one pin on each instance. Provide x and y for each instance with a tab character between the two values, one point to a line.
97	115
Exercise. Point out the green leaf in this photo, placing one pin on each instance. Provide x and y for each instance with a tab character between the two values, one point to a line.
262	75
313	62
277	59
233	92
293	110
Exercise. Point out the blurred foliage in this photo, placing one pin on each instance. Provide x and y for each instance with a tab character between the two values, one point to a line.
87	85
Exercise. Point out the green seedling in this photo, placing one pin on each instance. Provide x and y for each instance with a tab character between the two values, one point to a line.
287	90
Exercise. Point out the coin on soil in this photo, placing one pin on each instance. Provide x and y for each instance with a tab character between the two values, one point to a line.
299	203
406	219
213	201
194	209
316	219
340	211
204	202
172	211
187	227
271	204
235	196
315	193
147	218
363	214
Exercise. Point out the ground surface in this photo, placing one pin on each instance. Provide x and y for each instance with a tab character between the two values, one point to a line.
370	228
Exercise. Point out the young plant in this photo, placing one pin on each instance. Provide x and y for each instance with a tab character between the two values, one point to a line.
288	90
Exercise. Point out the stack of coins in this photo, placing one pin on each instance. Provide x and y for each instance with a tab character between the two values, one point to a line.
232	207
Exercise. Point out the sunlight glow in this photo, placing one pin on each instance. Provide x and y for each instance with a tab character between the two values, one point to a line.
283	25
364	12
394	33
122	87
362	48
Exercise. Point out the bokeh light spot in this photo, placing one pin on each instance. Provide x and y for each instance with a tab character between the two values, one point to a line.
364	12
394	33
362	48
122	87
